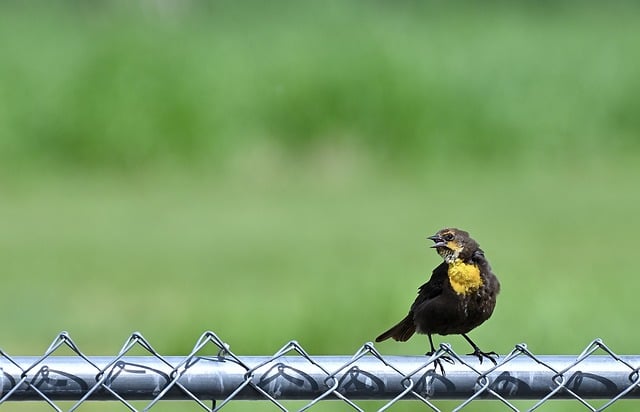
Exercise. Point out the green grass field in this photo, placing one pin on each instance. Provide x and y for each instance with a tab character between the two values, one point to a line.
271	173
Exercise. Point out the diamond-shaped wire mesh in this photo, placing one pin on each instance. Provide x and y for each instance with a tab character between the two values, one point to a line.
213	382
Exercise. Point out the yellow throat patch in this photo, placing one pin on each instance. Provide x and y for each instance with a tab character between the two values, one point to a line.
464	277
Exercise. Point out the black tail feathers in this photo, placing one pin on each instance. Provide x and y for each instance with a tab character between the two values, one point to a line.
400	332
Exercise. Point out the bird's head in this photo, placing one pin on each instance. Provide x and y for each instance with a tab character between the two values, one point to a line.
452	244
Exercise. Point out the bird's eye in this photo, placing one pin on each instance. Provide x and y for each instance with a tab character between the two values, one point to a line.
448	237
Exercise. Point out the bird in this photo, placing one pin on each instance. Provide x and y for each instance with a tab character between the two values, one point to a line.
459	296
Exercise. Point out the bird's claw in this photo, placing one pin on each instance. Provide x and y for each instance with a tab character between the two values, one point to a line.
492	356
438	362
445	358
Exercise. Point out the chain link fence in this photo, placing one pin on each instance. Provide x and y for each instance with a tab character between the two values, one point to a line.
212	381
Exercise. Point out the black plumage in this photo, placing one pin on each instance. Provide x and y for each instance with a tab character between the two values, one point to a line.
459	296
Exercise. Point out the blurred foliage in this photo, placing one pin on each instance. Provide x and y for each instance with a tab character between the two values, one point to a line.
125	85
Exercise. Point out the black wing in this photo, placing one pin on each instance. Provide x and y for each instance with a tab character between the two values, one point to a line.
433	287
403	330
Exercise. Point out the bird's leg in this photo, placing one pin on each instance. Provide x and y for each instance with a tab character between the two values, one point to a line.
480	354
437	362
445	358
433	349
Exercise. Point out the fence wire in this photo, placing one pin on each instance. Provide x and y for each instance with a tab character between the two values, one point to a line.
212	381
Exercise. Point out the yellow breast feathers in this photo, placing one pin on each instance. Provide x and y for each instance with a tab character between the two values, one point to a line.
464	277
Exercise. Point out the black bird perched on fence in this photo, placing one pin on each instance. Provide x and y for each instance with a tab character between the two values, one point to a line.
459	296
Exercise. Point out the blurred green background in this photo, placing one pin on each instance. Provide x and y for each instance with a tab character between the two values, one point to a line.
270	171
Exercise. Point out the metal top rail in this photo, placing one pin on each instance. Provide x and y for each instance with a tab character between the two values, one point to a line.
292	374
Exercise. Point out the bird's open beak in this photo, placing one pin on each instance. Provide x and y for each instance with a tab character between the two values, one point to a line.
439	242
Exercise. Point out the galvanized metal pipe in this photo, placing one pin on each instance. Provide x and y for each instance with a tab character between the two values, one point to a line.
296	378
